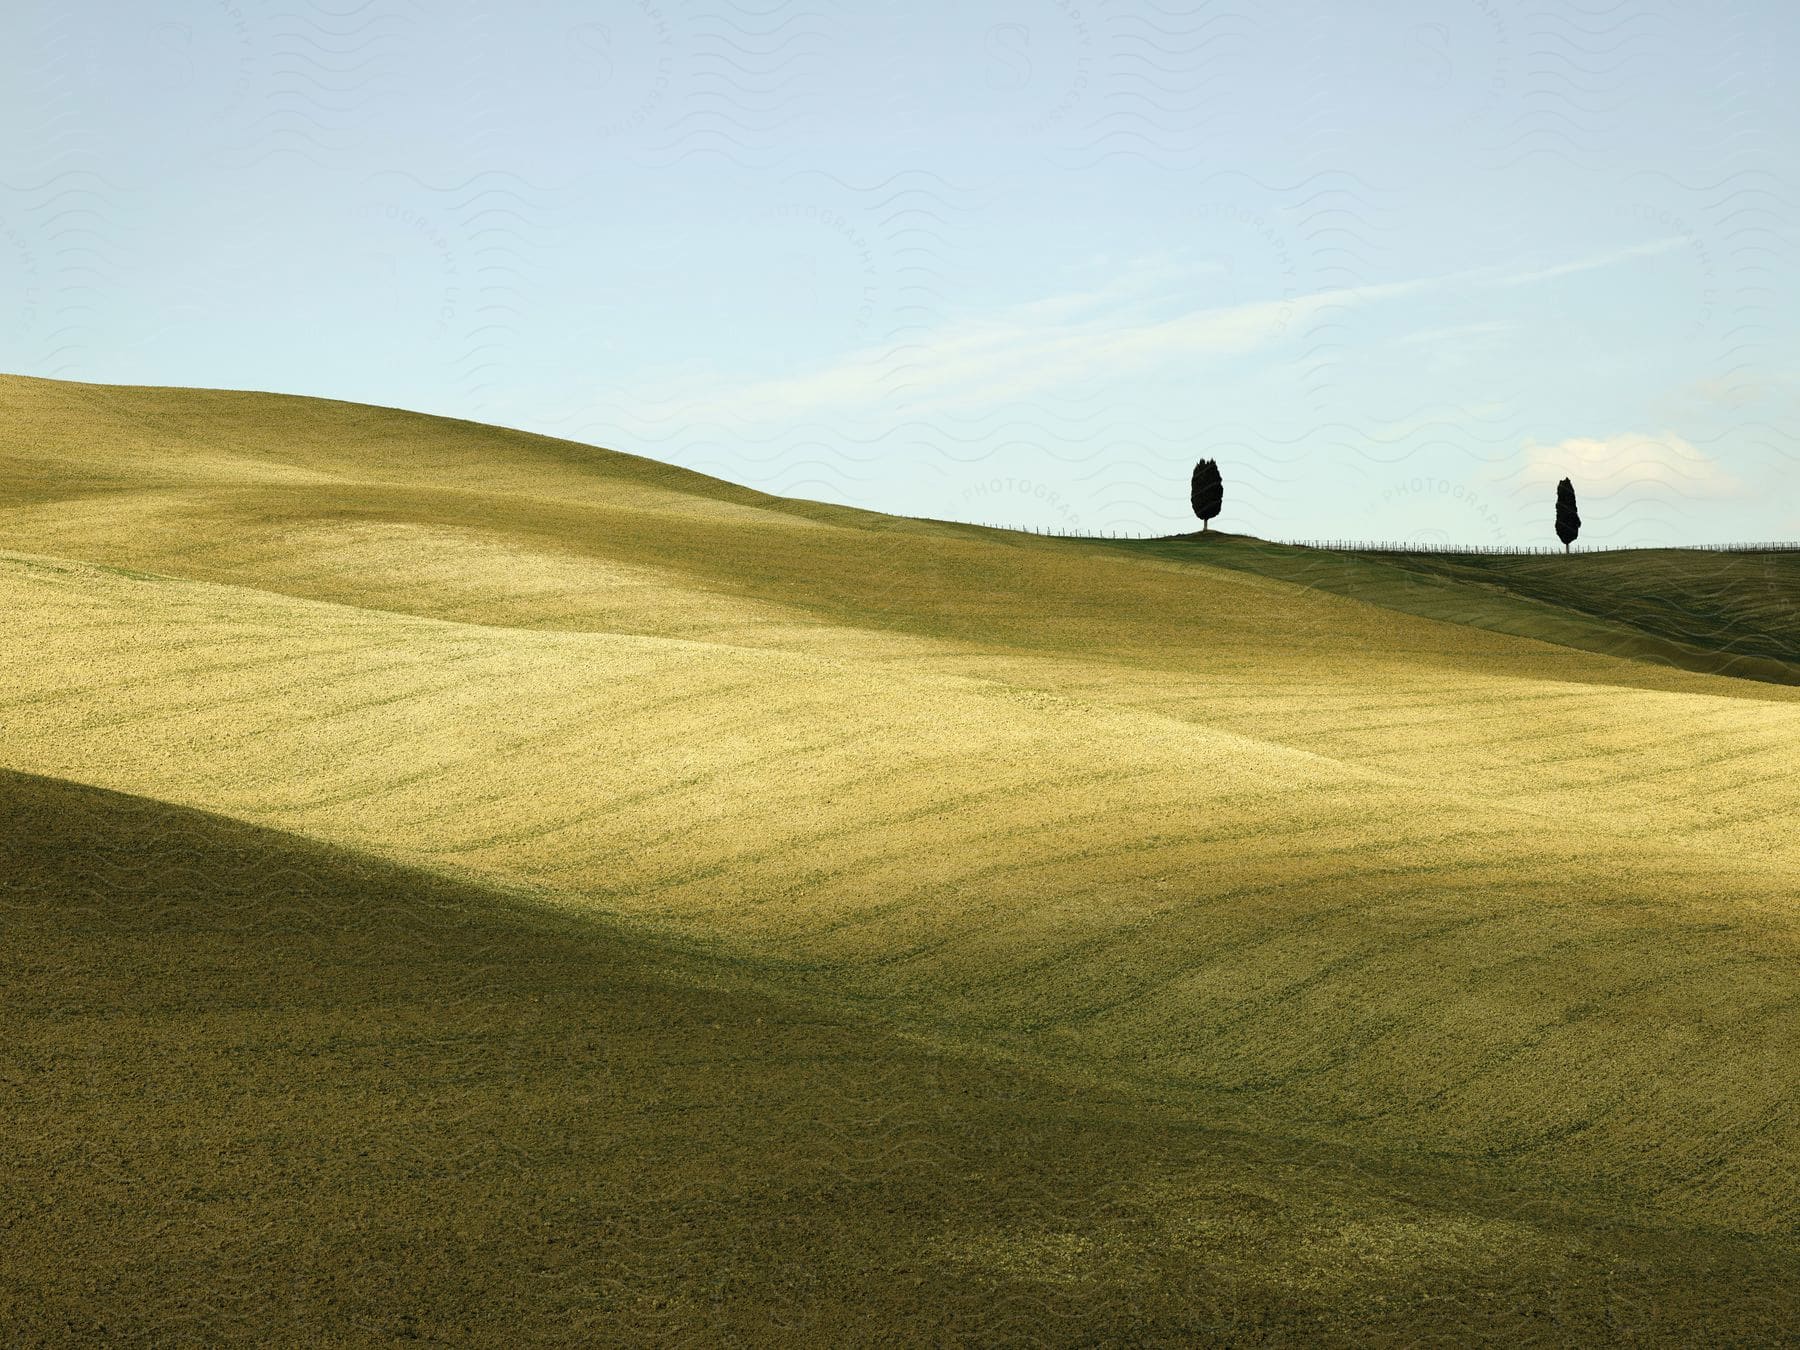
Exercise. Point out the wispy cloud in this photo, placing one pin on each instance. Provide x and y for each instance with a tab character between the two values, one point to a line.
1109	331
1040	345
1590	264
1456	333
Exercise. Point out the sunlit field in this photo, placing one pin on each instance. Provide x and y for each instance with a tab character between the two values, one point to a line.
463	883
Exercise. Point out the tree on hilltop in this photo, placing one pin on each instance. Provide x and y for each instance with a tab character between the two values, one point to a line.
1568	520
1207	491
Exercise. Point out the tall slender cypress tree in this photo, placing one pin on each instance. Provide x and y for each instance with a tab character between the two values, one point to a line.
1207	491
1568	520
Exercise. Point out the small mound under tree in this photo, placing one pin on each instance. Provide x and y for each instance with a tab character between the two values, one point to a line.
1568	519
1207	492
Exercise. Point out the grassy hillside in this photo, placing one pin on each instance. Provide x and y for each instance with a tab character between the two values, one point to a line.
395	510
1742	605
258	1088
1463	918
1720	613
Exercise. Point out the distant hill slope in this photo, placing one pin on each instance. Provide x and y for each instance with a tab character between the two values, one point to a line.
262	1090
1745	606
396	510
1161	821
66	440
1720	613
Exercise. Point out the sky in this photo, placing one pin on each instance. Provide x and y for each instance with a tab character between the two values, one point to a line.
1398	266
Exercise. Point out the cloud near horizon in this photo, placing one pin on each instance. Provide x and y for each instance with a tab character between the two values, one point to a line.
1612	464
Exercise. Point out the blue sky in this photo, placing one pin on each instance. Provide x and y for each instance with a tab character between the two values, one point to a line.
1023	262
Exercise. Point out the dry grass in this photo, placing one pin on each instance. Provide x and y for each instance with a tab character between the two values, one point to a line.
1449	913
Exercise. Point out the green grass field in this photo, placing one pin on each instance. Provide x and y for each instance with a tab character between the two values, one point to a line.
460	884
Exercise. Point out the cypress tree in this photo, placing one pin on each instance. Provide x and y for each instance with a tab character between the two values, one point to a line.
1207	491
1568	520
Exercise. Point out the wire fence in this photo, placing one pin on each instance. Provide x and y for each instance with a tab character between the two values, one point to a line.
1529	550
1053	532
1402	546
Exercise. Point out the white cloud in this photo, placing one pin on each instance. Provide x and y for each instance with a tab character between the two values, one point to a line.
1630	462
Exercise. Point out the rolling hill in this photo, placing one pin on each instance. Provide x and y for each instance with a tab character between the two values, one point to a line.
1727	613
1206	935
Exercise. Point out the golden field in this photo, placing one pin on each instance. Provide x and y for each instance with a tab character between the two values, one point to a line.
467	884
